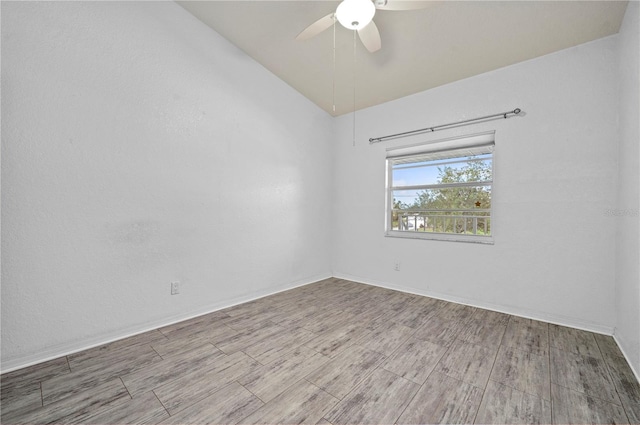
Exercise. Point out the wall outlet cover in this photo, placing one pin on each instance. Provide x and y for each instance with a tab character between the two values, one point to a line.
175	288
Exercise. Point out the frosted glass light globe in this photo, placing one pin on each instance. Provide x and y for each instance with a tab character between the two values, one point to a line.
355	14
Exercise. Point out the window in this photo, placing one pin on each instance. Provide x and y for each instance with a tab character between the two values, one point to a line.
441	190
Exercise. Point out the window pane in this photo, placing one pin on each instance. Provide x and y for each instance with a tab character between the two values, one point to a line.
462	210
405	199
449	199
459	170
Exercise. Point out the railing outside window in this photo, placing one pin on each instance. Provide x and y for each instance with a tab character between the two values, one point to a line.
475	222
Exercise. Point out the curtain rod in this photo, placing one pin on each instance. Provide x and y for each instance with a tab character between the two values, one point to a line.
505	115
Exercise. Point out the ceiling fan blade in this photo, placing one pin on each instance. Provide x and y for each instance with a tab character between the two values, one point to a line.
317	27
370	37
402	4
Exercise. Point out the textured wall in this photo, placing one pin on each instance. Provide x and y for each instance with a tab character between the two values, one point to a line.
139	147
555	176
626	217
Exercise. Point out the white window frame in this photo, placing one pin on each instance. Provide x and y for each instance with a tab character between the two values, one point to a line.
440	146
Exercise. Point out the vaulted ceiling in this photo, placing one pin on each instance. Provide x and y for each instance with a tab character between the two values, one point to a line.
421	49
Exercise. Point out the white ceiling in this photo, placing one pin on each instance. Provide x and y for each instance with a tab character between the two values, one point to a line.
421	49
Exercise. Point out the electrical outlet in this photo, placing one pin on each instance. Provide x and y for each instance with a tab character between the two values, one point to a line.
396	266
175	288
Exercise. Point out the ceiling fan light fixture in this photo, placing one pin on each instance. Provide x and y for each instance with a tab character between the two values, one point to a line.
355	14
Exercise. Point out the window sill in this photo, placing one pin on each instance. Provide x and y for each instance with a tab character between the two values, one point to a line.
487	240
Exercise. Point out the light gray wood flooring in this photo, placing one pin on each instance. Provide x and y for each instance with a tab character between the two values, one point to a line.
335	352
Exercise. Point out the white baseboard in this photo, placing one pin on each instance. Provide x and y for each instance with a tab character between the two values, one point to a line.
627	357
68	349
71	348
528	314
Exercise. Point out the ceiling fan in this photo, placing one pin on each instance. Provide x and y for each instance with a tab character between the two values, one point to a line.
358	15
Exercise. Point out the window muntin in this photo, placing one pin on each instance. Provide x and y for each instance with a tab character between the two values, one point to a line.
443	194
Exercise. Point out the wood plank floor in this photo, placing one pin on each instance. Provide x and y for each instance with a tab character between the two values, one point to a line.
335	352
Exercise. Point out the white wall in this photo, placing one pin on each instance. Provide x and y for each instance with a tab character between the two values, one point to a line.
628	255
139	147
555	176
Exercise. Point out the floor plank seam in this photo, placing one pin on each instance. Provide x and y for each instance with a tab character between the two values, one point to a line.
551	404
254	394
415	395
68	363
253	358
589	395
518	389
125	387
156	351
484	391
161	403
615	387
41	396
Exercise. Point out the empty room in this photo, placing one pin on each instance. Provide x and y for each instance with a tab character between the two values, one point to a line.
320	212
